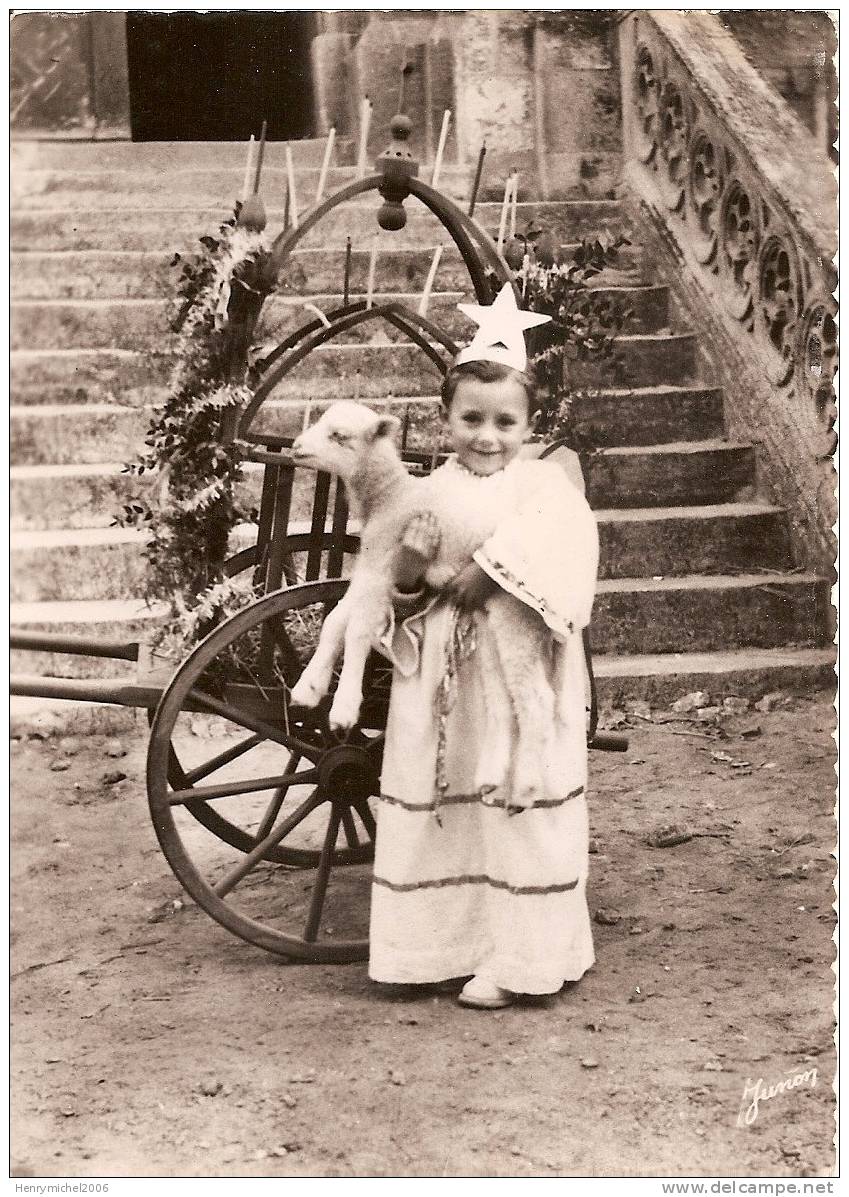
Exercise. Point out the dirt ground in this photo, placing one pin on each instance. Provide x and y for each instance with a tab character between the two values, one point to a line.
152	1045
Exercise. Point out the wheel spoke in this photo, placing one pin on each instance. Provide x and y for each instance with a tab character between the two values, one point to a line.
350	828
322	877
229	789
223	758
276	802
271	841
367	817
243	719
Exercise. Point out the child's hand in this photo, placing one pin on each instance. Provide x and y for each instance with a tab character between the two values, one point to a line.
422	535
471	588
419	546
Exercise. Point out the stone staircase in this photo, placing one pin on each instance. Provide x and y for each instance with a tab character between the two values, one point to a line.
698	588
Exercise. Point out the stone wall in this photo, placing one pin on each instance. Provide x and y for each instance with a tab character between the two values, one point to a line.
68	73
539	88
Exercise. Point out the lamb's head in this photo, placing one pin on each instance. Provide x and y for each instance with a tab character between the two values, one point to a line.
343	438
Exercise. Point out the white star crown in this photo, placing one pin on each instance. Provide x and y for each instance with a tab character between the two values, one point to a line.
501	332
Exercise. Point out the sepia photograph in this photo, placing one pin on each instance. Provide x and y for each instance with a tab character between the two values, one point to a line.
422	431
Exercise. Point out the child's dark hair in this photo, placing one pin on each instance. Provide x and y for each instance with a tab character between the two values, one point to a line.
484	371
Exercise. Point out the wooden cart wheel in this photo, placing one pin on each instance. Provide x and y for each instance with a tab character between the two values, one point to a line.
247	792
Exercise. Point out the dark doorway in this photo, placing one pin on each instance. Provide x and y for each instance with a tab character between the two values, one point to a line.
216	76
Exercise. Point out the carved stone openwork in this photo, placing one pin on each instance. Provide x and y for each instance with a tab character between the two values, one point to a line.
646	100
816	365
779	304
673	135
740	238
737	232
704	191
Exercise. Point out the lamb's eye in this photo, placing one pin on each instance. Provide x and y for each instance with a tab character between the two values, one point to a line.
341	438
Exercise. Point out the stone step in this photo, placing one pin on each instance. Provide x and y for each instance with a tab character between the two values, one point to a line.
159	157
85	433
143	323
707	614
646	415
675	617
132	274
97	375
140	323
76	495
217	188
165	229
748	672
105	563
658	679
666	475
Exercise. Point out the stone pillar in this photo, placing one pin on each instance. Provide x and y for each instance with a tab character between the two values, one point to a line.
110	80
421	40
576	85
495	97
69	73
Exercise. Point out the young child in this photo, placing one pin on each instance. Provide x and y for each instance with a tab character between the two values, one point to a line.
462	887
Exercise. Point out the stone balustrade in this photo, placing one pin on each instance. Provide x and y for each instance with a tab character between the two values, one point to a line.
745	194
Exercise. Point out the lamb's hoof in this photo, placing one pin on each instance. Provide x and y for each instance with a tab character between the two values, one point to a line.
343	714
305	694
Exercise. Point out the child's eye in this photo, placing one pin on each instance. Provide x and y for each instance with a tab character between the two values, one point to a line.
506	422
471	418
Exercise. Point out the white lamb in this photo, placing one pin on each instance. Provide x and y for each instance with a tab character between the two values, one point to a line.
356	444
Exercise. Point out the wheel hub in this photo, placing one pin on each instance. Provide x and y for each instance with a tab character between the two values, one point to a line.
347	772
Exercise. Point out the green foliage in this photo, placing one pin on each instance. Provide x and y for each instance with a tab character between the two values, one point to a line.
188	447
584	323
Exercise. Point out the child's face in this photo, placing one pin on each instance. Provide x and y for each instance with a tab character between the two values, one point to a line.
488	423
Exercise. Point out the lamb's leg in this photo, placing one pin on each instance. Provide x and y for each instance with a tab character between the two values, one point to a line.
520	643
314	682
348	699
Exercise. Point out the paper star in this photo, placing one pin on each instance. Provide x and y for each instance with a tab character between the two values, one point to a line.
501	335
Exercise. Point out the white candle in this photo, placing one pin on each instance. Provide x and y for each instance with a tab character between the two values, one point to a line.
502	224
371	265
325	166
440	149
290	175
365	121
431	275
513	204
310	307
249	169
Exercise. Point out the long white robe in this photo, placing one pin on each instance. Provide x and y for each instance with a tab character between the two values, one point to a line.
461	886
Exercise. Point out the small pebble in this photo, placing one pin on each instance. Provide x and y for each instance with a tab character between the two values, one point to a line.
60	766
113	777
396	1077
289	1100
114	749
607	918
589	1062
211	1088
69	745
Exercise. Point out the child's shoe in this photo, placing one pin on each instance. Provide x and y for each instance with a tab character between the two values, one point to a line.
484	994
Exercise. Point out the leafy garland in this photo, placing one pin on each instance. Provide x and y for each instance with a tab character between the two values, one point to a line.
197	505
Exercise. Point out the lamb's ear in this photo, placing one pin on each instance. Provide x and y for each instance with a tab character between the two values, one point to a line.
385	426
